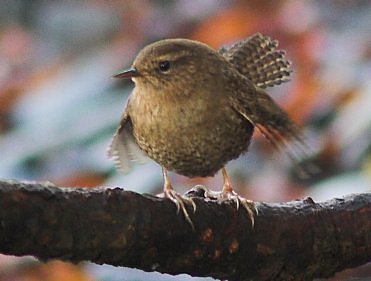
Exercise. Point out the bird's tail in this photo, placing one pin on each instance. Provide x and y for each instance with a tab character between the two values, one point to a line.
257	59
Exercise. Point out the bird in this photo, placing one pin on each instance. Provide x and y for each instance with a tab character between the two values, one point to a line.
193	109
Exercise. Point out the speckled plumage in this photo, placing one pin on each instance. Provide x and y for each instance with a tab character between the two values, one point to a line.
257	59
201	113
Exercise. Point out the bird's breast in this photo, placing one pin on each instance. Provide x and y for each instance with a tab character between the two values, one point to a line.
193	137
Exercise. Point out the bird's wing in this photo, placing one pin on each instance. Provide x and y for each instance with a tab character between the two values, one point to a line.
124	149
260	109
257	59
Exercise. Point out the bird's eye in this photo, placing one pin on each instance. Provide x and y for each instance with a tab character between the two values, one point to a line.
164	65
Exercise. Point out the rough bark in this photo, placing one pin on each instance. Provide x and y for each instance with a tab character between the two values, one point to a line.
298	240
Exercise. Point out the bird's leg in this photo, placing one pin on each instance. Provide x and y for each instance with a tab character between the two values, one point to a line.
179	201
227	188
228	193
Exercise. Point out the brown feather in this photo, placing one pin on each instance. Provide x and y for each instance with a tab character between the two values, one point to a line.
262	111
257	59
123	148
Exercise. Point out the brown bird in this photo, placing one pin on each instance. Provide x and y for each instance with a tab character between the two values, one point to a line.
193	109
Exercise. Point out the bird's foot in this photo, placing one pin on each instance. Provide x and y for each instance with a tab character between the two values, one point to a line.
230	195
177	199
180	203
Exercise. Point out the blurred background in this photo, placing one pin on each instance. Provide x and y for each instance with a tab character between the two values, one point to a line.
59	106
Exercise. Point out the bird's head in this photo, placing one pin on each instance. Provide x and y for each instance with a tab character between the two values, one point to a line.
178	66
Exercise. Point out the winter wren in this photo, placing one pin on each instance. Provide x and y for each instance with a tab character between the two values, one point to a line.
193	109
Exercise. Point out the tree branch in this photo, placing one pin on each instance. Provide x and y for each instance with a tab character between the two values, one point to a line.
298	240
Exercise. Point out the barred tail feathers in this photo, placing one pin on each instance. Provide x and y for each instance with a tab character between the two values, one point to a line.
257	59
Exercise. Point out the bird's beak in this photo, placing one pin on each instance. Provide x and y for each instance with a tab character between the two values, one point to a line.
127	73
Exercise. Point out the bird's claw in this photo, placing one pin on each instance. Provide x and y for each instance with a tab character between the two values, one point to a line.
180	202
225	195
